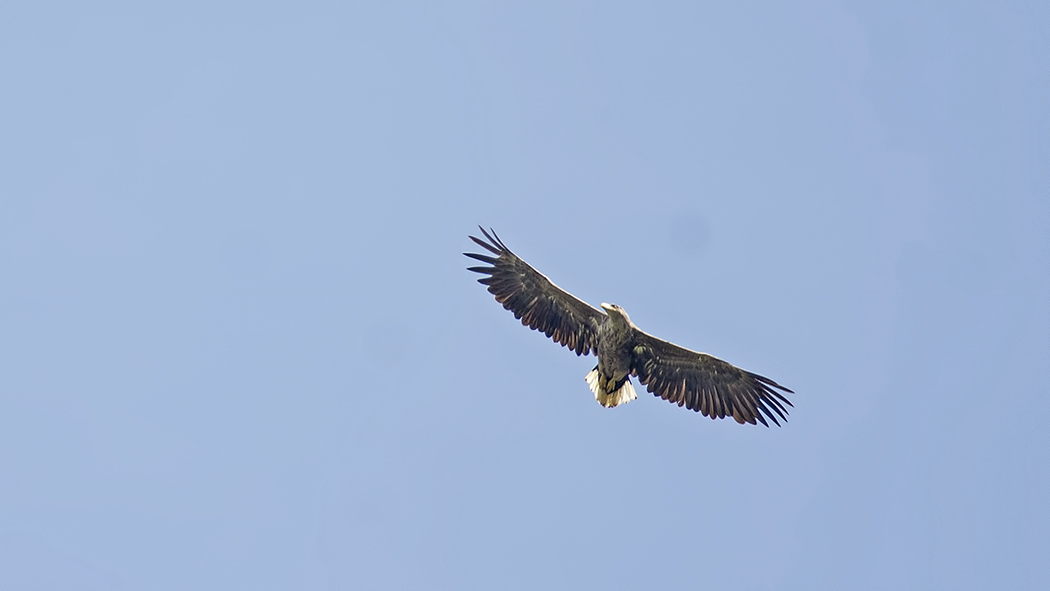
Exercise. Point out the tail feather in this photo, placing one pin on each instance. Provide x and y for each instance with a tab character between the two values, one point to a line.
622	395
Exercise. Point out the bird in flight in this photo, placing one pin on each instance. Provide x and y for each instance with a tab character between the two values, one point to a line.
697	381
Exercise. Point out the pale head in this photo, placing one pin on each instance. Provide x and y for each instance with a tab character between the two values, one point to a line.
615	311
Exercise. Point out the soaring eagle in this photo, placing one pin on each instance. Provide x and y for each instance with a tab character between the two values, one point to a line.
697	381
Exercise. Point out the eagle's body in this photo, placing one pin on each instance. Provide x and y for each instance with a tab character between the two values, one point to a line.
611	379
687	378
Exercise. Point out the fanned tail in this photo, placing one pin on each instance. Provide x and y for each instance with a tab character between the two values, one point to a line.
622	395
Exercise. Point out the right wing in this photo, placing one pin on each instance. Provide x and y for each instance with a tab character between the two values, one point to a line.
706	384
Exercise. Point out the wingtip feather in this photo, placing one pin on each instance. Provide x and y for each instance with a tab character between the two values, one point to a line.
481	257
489	247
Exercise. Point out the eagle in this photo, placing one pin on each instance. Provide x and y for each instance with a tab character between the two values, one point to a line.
697	381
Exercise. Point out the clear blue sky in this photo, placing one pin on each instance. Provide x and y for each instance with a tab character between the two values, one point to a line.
239	348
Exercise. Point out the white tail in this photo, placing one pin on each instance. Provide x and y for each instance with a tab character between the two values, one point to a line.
610	399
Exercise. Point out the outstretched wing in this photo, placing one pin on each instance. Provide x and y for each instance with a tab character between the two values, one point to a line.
706	384
535	300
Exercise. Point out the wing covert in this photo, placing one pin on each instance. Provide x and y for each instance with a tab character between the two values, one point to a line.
535	300
706	384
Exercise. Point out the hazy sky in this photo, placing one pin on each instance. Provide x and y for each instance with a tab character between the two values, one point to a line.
239	348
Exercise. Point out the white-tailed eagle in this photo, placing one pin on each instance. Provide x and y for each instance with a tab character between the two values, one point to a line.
697	381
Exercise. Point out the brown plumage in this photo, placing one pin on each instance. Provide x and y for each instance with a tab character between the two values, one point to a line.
697	381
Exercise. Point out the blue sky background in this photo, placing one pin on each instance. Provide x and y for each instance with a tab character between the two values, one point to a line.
239	347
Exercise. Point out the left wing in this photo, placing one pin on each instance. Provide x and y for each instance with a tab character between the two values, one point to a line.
706	384
535	300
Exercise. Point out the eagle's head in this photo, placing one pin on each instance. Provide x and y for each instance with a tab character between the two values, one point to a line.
615	311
